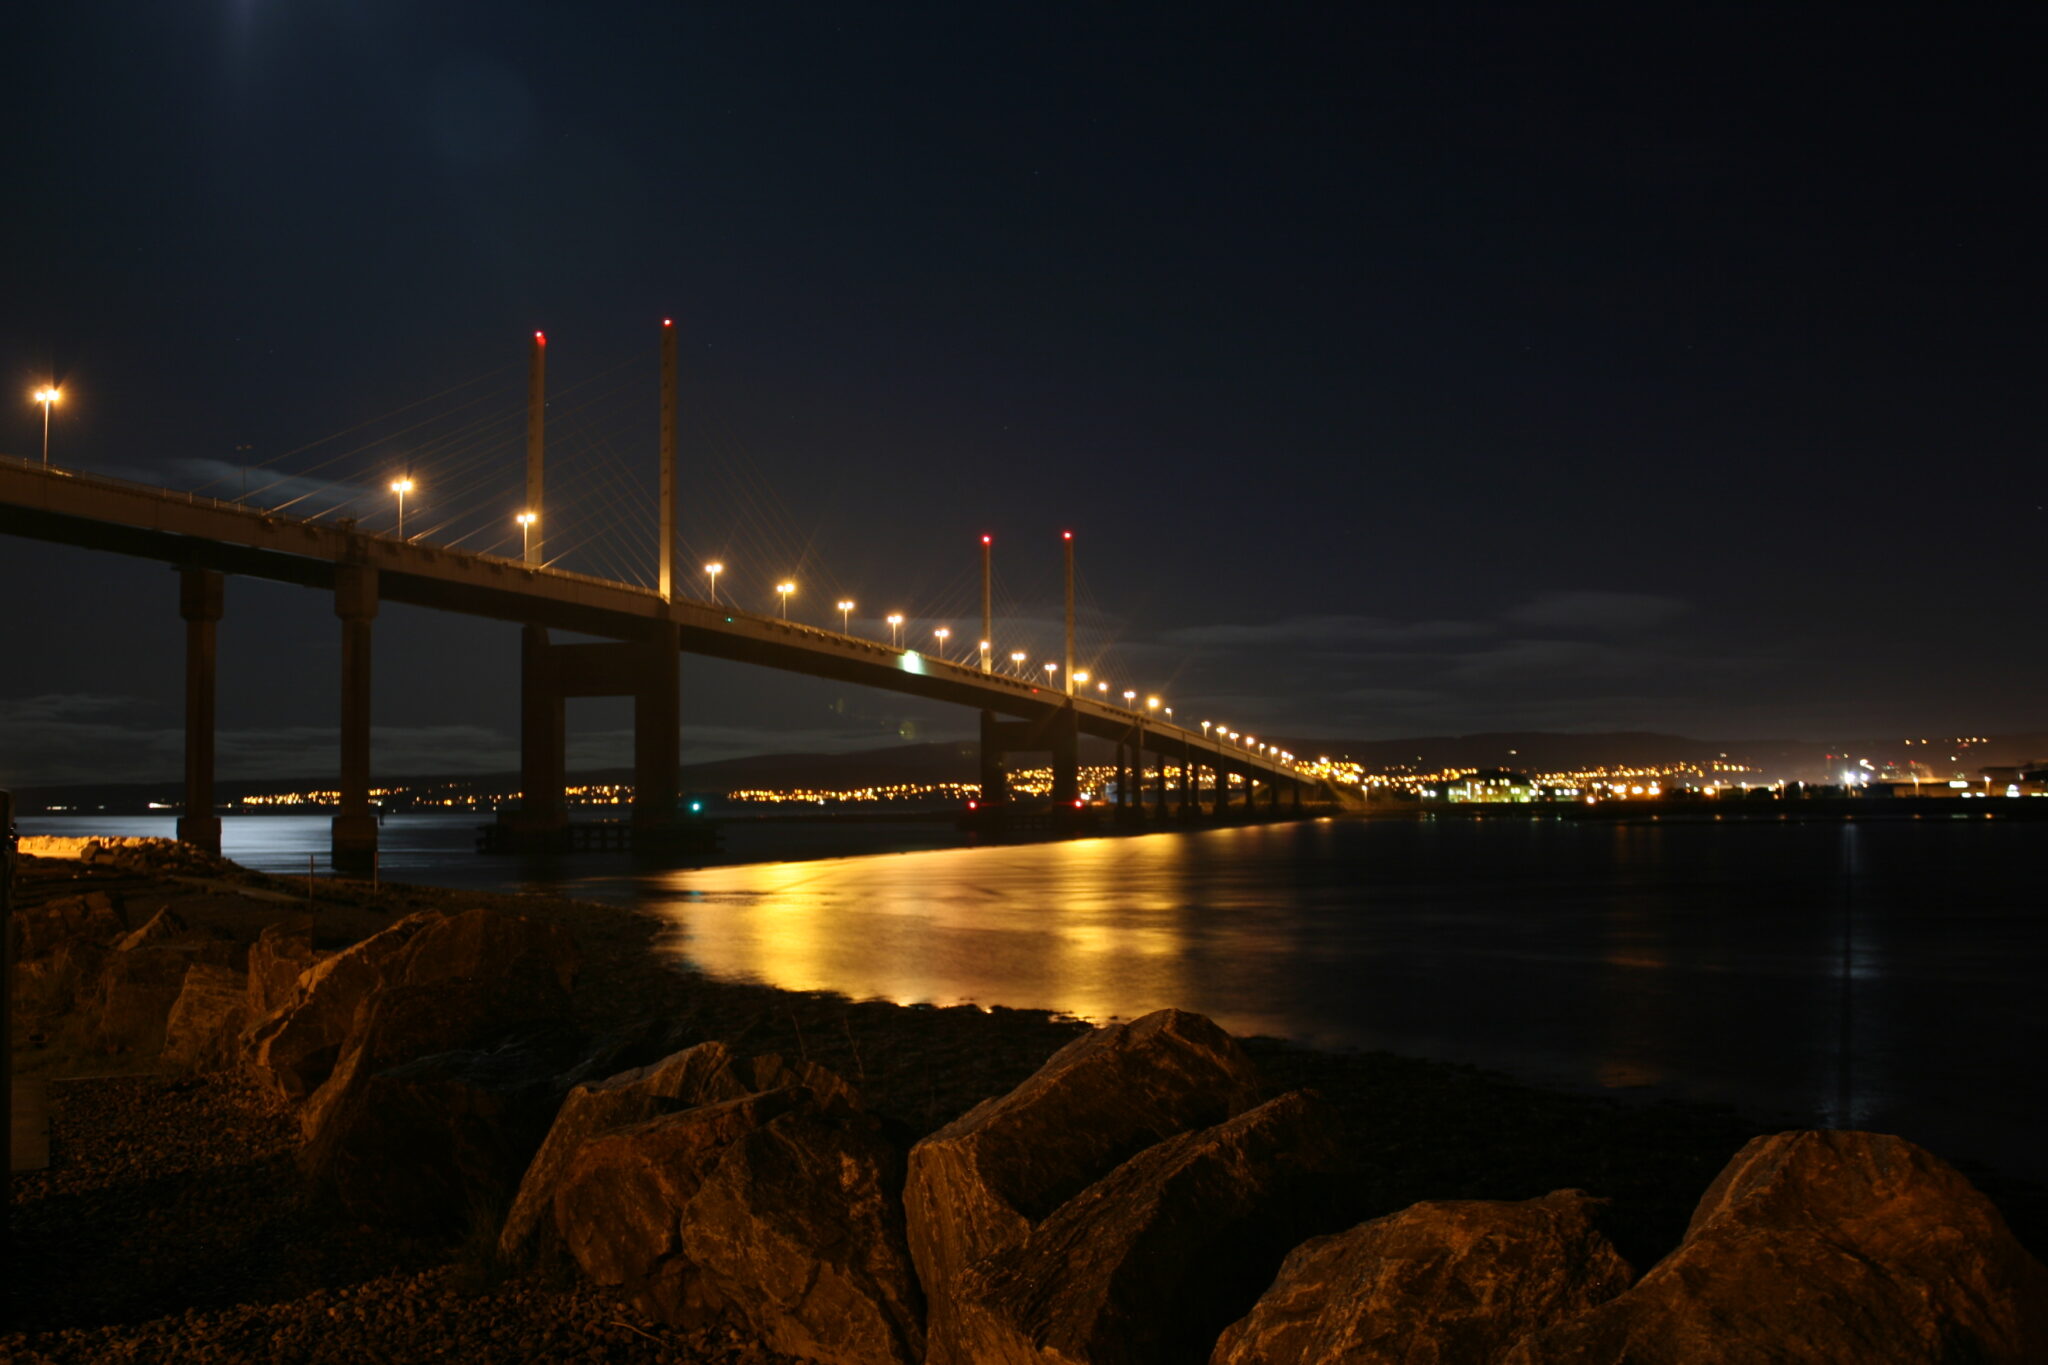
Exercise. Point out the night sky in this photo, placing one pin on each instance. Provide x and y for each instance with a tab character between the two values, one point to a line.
1401	370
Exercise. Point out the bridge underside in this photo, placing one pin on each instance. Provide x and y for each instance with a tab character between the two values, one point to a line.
641	638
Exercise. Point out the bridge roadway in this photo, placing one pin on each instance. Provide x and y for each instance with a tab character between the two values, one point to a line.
221	537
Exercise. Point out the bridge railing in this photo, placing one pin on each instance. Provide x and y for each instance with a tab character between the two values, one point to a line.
269	516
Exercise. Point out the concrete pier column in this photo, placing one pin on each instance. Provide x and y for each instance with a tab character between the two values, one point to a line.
354	840
1066	756
657	730
200	594
543	736
994	788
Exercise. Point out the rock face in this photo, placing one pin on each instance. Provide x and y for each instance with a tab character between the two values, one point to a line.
204	1031
705	1074
799	1228
294	1050
982	1182
44	928
1824	1246
1150	1263
437	1144
1439	1283
280	954
140	980
776	1204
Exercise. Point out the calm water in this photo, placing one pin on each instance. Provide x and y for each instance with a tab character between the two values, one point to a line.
1877	974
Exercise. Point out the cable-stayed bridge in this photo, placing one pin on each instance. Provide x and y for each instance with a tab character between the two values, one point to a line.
305	536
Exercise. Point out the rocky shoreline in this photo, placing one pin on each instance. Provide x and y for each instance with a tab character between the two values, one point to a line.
179	1218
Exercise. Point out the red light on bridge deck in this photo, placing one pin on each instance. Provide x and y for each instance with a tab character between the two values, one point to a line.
974	805
1079	804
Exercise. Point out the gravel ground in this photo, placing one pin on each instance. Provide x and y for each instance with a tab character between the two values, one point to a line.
173	1223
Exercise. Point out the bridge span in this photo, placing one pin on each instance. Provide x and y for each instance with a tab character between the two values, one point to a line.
640	635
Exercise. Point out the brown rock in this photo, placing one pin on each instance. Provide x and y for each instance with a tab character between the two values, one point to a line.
799	1230
163	927
1439	1283
1152	1261
699	1075
619	1207
436	1145
1825	1246
460	980
982	1182
129	1006
204	1030
293	1052
280	954
44	928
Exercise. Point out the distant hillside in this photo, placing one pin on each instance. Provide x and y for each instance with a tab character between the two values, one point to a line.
1532	751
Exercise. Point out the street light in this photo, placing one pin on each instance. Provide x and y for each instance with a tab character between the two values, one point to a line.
525	520
1205	729
1017	662
1080	677
984	656
784	590
895	630
1151	703
714	570
1050	671
1130	700
845	613
49	396
401	487
943	634
1102	687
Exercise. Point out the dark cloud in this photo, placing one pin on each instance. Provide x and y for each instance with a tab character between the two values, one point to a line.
1596	612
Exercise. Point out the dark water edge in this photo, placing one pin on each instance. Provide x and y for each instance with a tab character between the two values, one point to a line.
1872	974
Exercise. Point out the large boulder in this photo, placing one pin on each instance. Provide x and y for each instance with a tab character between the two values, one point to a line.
1824	1246
982	1182
777	1206
204	1030
1435	1284
434	1146
461	980
278	957
292	1053
1152	1261
705	1074
139	981
798	1230
619	1207
42	929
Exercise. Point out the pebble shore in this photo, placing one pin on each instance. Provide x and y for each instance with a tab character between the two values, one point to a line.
173	1224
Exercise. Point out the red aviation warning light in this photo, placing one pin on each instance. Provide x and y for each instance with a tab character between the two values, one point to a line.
540	338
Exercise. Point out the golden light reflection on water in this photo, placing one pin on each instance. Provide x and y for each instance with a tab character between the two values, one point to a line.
1101	931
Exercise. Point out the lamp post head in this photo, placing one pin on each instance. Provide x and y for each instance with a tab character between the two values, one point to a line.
49	394
714	569
1152	703
401	486
526	518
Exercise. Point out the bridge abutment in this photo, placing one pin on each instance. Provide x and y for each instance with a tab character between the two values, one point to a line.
1057	734
353	844
200	596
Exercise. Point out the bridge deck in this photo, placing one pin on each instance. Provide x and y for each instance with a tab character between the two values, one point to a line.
97	512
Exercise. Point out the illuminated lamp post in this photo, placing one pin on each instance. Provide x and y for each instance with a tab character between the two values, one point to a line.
401	487
49	396
1205	729
984	656
525	520
712	571
783	590
1017	662
942	634
1051	671
895	630
845	616
1130	700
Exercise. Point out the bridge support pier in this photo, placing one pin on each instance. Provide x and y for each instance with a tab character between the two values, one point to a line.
353	846
200	594
1058	734
649	670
